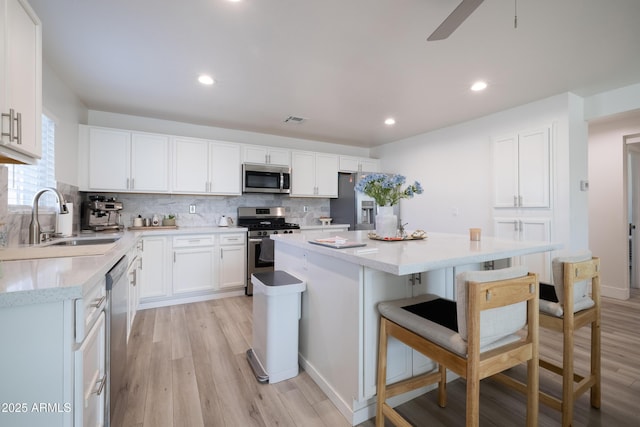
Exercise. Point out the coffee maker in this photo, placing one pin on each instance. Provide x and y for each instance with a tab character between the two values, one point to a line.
100	213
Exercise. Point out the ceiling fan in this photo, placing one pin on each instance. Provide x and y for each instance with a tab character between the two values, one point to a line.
453	21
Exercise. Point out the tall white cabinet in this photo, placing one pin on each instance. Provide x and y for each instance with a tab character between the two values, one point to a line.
20	83
523	190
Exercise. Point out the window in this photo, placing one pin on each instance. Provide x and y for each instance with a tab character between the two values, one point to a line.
26	180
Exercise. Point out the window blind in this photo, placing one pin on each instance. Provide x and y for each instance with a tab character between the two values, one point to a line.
26	180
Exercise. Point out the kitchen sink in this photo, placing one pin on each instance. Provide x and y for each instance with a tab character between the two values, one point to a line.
83	242
65	247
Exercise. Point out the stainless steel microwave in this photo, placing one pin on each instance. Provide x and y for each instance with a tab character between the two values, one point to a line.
258	178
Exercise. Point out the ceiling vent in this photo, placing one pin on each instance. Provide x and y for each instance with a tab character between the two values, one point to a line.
294	119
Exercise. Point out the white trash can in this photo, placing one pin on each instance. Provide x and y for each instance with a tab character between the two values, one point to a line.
276	313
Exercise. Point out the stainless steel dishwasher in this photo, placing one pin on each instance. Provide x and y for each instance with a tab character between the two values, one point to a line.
117	295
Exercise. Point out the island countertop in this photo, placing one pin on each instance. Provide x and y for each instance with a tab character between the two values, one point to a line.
437	250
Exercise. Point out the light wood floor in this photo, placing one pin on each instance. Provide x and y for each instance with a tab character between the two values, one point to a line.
187	367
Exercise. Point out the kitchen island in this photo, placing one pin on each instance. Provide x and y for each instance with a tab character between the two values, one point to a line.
339	323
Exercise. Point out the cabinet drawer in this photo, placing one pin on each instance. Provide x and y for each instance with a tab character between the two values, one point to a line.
193	241
233	239
89	308
90	376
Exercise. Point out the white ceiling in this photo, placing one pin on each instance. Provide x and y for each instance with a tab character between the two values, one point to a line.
345	65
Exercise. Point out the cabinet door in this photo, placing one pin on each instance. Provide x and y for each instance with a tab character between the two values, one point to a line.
533	169
149	162
155	278
326	175
225	169
21	77
254	154
90	377
109	159
278	156
369	165
349	164
232	266
190	165
303	176
193	269
505	168
537	229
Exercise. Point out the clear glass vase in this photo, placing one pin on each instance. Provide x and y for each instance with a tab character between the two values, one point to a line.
386	222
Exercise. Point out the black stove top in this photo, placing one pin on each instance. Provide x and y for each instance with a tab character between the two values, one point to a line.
265	221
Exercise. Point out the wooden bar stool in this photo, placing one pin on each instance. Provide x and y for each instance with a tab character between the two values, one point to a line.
493	326
566	307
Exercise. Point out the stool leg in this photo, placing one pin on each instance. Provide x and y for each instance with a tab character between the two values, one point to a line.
382	372
567	371
442	386
595	362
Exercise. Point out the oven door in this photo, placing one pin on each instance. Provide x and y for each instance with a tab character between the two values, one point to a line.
254	264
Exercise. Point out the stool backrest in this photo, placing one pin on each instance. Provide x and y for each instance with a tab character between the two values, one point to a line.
495	323
580	287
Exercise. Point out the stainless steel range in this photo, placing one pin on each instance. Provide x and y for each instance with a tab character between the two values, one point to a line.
262	223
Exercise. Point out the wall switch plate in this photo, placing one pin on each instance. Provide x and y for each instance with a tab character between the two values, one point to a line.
584	185
192	209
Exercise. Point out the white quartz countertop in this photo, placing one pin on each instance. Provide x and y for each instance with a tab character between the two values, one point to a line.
324	227
438	250
33	281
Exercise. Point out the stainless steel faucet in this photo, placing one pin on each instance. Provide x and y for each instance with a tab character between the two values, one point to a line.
34	227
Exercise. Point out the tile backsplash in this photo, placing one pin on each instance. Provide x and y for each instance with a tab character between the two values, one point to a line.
208	209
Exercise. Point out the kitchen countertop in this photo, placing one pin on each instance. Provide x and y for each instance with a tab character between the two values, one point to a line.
323	227
33	281
437	251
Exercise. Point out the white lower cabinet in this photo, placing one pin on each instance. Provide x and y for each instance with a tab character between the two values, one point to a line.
233	260
178	268
154	272
53	362
194	264
91	377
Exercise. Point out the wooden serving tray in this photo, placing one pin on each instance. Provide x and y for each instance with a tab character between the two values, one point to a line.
395	239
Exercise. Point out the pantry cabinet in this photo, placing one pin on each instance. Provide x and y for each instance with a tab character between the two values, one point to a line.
266	155
314	174
125	161
206	167
20	83
527	229
522	171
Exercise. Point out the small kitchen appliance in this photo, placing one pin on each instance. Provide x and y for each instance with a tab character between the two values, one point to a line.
262	223
100	213
225	221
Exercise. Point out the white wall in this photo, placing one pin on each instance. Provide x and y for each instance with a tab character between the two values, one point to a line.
608	224
145	124
66	108
454	165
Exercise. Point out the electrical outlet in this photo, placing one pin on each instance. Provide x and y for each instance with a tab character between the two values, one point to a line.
192	209
305	209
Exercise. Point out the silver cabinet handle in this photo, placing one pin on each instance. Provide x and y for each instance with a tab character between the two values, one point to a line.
515	201
127	183
520	201
99	301
133	183
19	132
103	382
12	125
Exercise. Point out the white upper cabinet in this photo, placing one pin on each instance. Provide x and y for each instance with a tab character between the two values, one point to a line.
522	172
127	161
207	167
314	174
266	155
20	83
358	164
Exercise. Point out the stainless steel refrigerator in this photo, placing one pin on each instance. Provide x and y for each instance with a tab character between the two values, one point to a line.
355	208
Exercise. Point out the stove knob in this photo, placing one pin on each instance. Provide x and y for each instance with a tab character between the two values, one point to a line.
275	231
288	231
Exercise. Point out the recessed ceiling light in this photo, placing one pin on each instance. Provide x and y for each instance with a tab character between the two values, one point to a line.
205	79
390	121
478	86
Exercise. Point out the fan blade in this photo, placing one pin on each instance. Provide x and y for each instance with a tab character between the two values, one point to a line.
454	20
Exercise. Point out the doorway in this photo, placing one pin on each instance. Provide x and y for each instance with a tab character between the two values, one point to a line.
633	210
